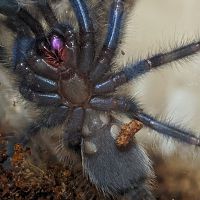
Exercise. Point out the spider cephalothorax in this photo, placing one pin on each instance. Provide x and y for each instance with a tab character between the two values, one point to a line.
61	72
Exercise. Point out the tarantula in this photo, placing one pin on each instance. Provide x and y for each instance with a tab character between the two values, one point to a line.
63	73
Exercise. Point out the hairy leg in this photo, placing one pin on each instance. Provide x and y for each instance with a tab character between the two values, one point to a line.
86	35
72	136
132	109
47	12
103	63
134	71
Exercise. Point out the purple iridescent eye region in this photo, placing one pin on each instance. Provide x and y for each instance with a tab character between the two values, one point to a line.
56	43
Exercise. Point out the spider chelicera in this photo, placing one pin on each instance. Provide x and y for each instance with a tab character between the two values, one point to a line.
61	72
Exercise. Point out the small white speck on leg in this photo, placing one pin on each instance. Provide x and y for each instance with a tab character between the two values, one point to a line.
90	148
115	130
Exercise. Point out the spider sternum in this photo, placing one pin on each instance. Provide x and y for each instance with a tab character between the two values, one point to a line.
76	90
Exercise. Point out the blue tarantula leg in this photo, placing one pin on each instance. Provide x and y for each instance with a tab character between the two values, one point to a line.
12	8
134	71
47	12
111	84
41	99
9	7
131	108
49	120
72	135
112	103
103	62
167	129
86	35
40	67
21	46
111	170
40	84
34	81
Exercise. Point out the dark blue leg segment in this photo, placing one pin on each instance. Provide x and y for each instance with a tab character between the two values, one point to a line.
168	129
31	22
112	103
21	47
47	12
16	26
134	71
82	14
34	81
40	67
12	8
9	7
40	84
86	35
103	63
41	99
72	136
110	84
48	120
115	24
130	107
